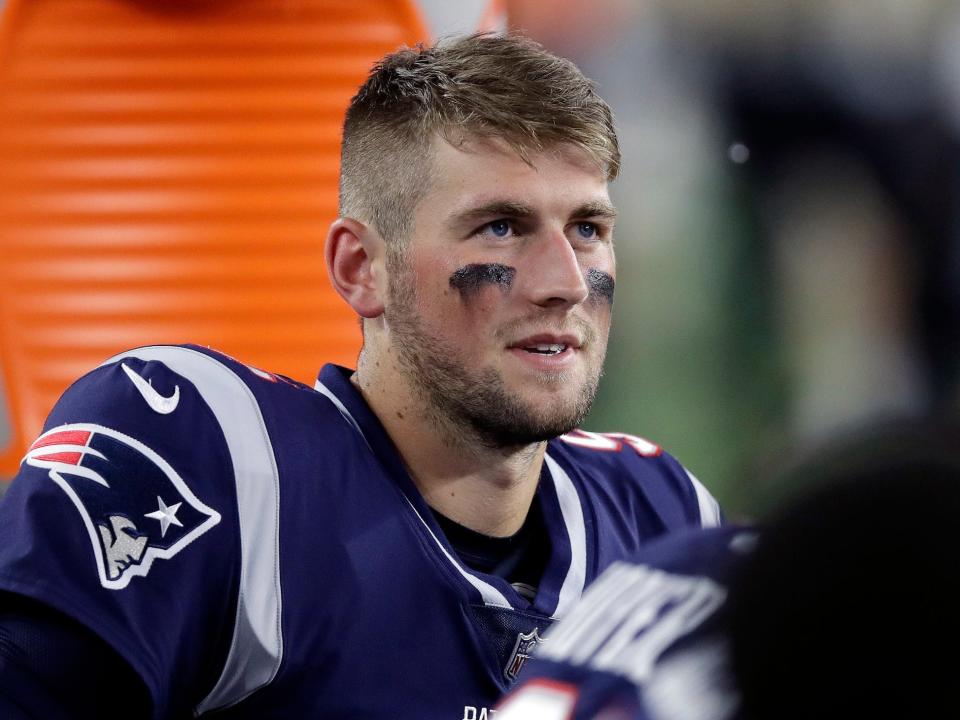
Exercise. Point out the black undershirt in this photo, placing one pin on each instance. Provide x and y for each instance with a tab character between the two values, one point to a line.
519	558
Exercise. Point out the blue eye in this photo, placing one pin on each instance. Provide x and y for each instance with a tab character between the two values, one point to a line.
499	228
586	230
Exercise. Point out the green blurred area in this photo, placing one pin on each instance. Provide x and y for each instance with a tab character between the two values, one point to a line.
692	363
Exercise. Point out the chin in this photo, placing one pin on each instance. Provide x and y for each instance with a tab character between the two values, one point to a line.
526	421
563	379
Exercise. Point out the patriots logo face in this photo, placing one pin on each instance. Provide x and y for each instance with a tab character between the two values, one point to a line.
135	506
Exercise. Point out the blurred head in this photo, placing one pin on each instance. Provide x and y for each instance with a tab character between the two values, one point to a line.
849	605
479	235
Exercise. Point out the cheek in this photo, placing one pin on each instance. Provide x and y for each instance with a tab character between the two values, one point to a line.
473	291
601	286
473	309
453	312
473	282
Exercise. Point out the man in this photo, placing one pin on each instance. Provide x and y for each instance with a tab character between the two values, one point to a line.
392	542
843	606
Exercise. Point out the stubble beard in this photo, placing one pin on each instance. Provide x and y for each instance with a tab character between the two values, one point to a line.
467	406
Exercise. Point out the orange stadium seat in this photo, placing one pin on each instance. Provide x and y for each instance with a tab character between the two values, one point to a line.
169	170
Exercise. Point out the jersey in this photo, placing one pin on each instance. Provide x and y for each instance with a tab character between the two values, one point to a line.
255	546
647	642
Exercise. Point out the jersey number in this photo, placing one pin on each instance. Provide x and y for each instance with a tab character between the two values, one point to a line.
611	442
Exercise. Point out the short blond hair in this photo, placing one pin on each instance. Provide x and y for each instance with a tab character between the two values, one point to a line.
477	86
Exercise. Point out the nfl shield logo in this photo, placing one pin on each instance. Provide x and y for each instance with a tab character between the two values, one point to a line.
521	652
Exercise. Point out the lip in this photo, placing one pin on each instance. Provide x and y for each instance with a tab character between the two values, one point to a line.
545	363
571	341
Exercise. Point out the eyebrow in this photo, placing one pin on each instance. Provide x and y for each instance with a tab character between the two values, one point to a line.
596	209
497	208
507	208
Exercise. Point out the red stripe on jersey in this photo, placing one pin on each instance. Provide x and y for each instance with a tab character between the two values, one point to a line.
69	458
67	437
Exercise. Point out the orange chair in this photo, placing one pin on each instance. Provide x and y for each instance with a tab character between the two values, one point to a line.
168	171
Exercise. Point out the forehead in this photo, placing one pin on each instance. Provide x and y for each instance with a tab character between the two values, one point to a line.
479	172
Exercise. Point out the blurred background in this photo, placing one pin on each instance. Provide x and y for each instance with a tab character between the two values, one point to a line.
788	240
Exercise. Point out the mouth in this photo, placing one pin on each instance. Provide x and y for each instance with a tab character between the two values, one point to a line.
546	349
546	345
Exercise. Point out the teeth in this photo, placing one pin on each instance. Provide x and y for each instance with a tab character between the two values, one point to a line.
547	349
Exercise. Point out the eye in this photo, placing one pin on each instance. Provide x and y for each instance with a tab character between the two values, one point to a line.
499	228
587	231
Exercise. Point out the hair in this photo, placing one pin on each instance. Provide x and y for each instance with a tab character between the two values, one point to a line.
478	86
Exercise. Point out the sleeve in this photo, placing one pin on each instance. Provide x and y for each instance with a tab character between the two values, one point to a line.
53	668
640	467
708	508
123	518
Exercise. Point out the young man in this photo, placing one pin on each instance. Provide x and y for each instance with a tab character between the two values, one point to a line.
392	542
842	606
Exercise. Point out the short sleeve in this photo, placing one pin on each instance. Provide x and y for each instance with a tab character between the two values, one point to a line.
123	516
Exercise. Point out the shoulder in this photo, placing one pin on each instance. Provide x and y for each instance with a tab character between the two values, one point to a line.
626	469
645	632
148	448
157	478
165	401
171	441
675	584
180	395
162	380
697	564
712	552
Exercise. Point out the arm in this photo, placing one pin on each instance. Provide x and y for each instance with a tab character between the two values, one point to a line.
52	668
122	519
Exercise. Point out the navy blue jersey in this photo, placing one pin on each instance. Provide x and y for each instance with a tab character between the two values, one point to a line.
250	543
646	643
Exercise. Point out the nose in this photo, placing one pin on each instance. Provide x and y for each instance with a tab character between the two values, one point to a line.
554	277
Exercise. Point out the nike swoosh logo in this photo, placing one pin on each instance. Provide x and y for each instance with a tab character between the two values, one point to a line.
161	404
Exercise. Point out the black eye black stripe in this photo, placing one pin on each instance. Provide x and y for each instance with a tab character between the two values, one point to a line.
601	285
470	278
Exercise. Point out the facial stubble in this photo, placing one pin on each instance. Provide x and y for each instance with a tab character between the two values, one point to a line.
468	405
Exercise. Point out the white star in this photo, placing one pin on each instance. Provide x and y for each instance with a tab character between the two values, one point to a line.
166	515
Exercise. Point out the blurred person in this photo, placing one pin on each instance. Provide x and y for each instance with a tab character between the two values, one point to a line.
845	158
842	606
191	535
852	175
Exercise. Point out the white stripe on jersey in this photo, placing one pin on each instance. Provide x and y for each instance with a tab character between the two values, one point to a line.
573	518
709	507
490	595
257	646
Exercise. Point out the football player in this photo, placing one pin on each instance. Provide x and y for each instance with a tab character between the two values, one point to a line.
190	534
842	606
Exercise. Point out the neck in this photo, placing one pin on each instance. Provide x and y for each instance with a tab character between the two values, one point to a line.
486	489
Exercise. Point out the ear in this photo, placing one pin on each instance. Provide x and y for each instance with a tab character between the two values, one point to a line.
354	254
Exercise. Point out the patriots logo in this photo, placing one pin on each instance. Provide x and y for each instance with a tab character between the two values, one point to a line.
135	506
